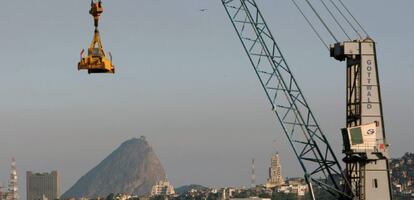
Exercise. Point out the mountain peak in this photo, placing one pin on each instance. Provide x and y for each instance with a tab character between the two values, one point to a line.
136	141
133	168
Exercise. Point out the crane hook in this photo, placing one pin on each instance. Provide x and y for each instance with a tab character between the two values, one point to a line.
96	11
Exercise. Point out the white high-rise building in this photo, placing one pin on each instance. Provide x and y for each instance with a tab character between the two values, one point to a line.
162	188
275	172
12	193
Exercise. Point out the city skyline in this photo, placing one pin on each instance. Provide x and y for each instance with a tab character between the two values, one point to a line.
192	108
44	185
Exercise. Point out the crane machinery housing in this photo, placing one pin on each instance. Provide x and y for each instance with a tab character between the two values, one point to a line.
366	175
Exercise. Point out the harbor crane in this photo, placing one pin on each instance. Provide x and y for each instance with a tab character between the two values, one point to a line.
366	175
366	150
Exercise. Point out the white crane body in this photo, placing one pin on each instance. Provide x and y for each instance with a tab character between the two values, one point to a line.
365	145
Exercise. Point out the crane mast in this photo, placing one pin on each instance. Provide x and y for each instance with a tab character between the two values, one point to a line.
316	157
365	144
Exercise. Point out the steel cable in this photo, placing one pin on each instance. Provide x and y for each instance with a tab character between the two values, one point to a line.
310	24
346	19
334	18
322	21
360	26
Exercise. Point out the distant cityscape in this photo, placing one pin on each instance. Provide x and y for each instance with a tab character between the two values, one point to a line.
46	186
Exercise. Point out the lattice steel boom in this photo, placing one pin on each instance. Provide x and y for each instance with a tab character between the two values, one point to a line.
315	155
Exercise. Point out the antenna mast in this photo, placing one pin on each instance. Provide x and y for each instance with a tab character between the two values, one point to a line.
253	180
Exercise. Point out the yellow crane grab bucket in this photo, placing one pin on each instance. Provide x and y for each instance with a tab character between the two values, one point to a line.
96	60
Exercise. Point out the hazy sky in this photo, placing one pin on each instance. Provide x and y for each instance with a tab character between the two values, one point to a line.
183	81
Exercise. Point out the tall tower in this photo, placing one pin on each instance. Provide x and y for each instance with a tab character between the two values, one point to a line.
365	144
253	175
12	192
40	185
275	172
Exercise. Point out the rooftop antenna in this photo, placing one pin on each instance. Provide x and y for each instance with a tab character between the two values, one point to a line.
275	147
